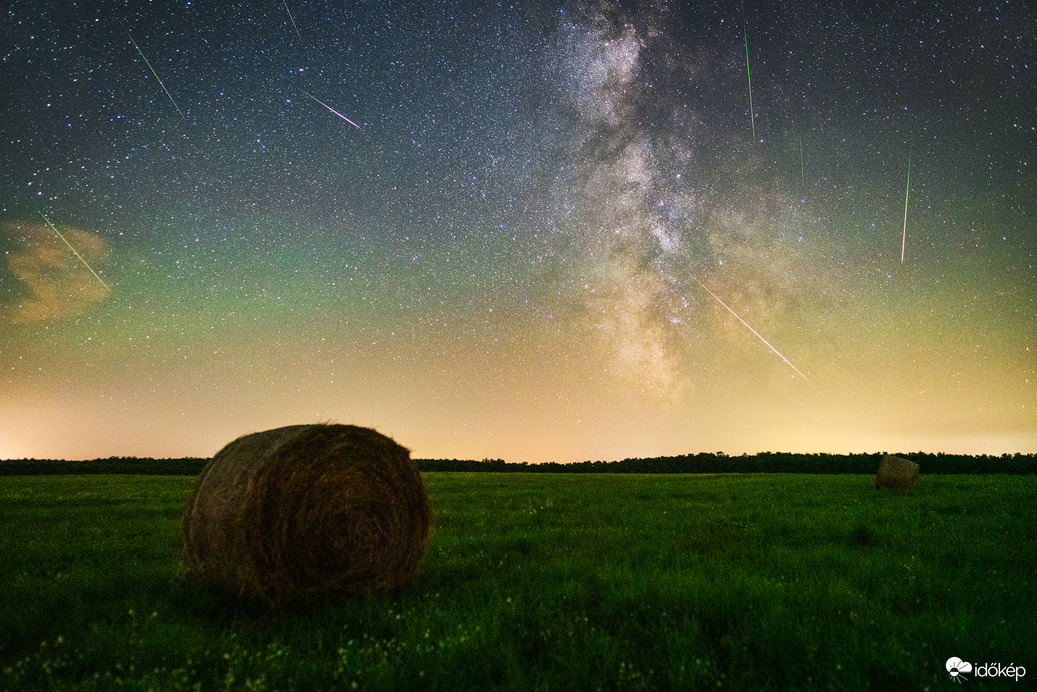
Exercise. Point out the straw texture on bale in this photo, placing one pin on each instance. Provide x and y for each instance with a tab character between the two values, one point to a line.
897	473
307	510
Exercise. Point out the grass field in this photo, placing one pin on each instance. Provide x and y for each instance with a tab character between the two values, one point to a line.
547	582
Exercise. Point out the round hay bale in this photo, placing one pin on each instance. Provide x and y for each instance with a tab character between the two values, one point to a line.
896	473
307	510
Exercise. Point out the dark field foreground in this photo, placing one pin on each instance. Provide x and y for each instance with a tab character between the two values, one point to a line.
551	582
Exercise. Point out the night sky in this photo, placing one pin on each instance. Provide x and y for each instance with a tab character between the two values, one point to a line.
524	230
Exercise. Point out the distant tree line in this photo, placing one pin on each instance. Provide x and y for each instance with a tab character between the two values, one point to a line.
764	462
119	465
705	462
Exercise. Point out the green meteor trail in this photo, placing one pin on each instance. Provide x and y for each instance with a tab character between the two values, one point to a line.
801	176
74	252
752	115
294	26
907	193
156	75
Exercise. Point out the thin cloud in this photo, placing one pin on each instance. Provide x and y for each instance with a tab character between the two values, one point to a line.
55	284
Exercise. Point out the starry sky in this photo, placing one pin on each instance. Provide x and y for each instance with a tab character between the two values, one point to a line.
521	230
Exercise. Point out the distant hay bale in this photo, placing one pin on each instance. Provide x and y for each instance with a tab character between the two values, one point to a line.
896	472
307	510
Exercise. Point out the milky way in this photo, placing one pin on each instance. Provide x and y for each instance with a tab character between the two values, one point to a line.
655	214
529	231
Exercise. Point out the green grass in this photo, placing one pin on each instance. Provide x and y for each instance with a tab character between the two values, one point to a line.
549	582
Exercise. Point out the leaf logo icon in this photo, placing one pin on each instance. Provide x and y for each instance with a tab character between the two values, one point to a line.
956	667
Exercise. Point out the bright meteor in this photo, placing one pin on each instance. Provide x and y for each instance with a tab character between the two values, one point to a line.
787	361
330	109
156	75
74	252
748	75
907	193
294	26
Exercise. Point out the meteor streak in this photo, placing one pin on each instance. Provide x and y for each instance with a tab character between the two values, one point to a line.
156	75
787	362
330	109
752	115
800	159
53	228
907	192
292	18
